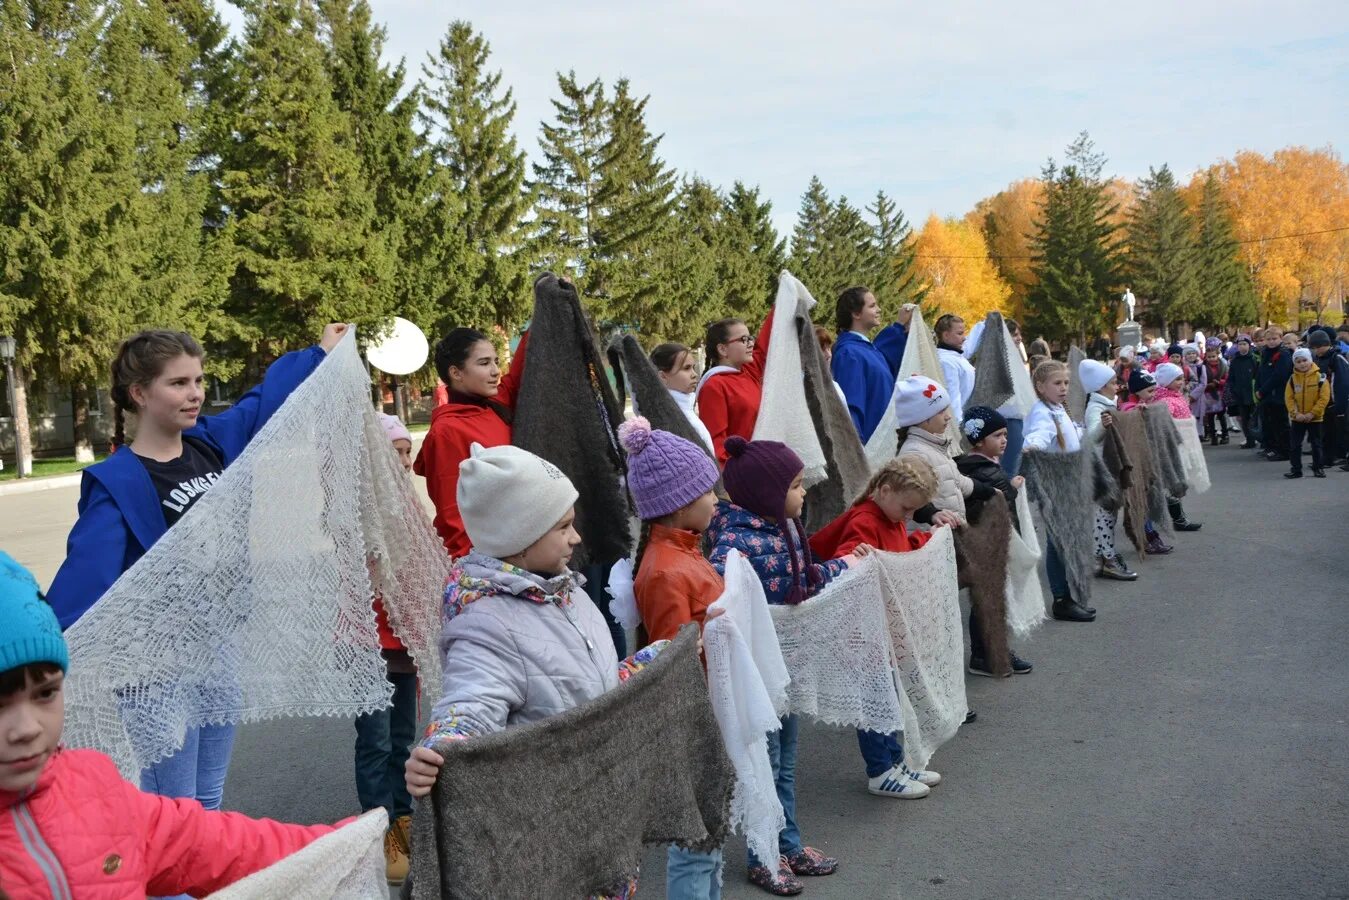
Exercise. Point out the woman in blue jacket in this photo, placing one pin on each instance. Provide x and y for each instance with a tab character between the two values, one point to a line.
128	501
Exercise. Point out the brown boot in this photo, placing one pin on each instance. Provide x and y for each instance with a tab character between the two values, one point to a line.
397	849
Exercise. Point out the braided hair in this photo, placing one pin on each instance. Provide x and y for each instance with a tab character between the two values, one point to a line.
140	360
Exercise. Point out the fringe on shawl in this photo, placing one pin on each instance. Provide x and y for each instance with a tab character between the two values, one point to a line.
634	370
567	414
993	384
981	563
1061	486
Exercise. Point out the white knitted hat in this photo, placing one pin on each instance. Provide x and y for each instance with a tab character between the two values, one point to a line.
509	498
1094	375
1167	373
917	399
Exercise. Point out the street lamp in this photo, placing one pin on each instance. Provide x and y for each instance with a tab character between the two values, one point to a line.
8	347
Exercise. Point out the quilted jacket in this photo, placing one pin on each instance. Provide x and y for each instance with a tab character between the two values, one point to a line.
84	832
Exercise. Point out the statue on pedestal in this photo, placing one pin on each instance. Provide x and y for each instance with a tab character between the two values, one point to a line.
1129	302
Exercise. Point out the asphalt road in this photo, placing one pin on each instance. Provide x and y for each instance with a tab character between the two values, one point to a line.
1191	743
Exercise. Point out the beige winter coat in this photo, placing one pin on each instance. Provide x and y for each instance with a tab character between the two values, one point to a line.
952	487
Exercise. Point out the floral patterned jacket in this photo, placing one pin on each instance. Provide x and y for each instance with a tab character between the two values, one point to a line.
764	545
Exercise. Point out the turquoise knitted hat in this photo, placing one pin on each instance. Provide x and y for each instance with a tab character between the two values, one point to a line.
29	632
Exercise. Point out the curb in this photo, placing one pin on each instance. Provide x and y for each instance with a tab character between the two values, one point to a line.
56	482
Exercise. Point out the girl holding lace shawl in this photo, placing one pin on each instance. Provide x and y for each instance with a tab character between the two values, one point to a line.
132	498
731	389
671	483
764	480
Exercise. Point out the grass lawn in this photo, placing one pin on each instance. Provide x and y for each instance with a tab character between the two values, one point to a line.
59	465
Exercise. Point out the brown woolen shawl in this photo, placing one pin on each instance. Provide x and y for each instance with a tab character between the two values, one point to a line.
1131	431
993	384
567	414
1060	484
981	566
563	807
848	472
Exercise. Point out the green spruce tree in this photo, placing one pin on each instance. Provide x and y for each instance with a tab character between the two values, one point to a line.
566	182
751	220
1229	298
811	235
469	119
303	219
1161	262
636	200
894	270
1077	264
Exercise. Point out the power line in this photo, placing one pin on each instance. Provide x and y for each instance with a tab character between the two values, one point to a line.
1259	240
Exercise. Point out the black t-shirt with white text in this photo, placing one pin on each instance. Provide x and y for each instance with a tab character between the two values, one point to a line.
183	481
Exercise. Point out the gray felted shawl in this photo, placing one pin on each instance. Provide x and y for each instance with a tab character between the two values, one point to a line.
1060	484
845	460
567	414
1113	470
1131	430
1165	444
634	370
1077	395
993	385
562	808
981	565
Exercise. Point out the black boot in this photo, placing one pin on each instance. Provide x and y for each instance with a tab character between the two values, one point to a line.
1066	609
1210	431
1178	520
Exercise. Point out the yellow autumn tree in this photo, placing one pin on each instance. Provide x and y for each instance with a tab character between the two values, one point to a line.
1286	209
952	258
1007	221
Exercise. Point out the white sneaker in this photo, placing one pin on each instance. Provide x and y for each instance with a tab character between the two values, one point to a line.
895	784
923	776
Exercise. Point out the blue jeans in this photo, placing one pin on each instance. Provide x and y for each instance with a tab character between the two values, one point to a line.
882	752
692	876
1054	570
198	770
782	756
383	743
1011	457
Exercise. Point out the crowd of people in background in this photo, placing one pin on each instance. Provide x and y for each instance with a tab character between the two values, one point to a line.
523	638
1279	389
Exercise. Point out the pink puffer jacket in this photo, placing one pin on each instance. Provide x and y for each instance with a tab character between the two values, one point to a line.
84	832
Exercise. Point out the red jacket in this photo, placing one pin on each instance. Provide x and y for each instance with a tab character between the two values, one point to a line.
83	826
728	403
455	427
675	584
865	523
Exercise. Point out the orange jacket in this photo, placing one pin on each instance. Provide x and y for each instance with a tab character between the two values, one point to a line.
84	827
675	584
455	427
865	523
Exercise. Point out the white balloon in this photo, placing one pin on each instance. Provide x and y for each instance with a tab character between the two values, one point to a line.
402	351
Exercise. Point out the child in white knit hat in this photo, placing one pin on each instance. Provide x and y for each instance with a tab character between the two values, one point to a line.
922	412
1099	381
520	638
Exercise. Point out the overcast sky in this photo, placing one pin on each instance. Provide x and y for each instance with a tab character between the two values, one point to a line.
939	104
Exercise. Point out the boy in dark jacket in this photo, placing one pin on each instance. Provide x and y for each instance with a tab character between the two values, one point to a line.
986	430
1333	365
1276	367
1241	369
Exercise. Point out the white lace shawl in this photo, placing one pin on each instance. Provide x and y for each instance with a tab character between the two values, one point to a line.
1192	456
920	358
1025	597
257	604
347	864
747	679
783	413
892	621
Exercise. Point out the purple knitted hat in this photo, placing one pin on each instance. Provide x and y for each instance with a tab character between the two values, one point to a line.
757	476
665	472
759	473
